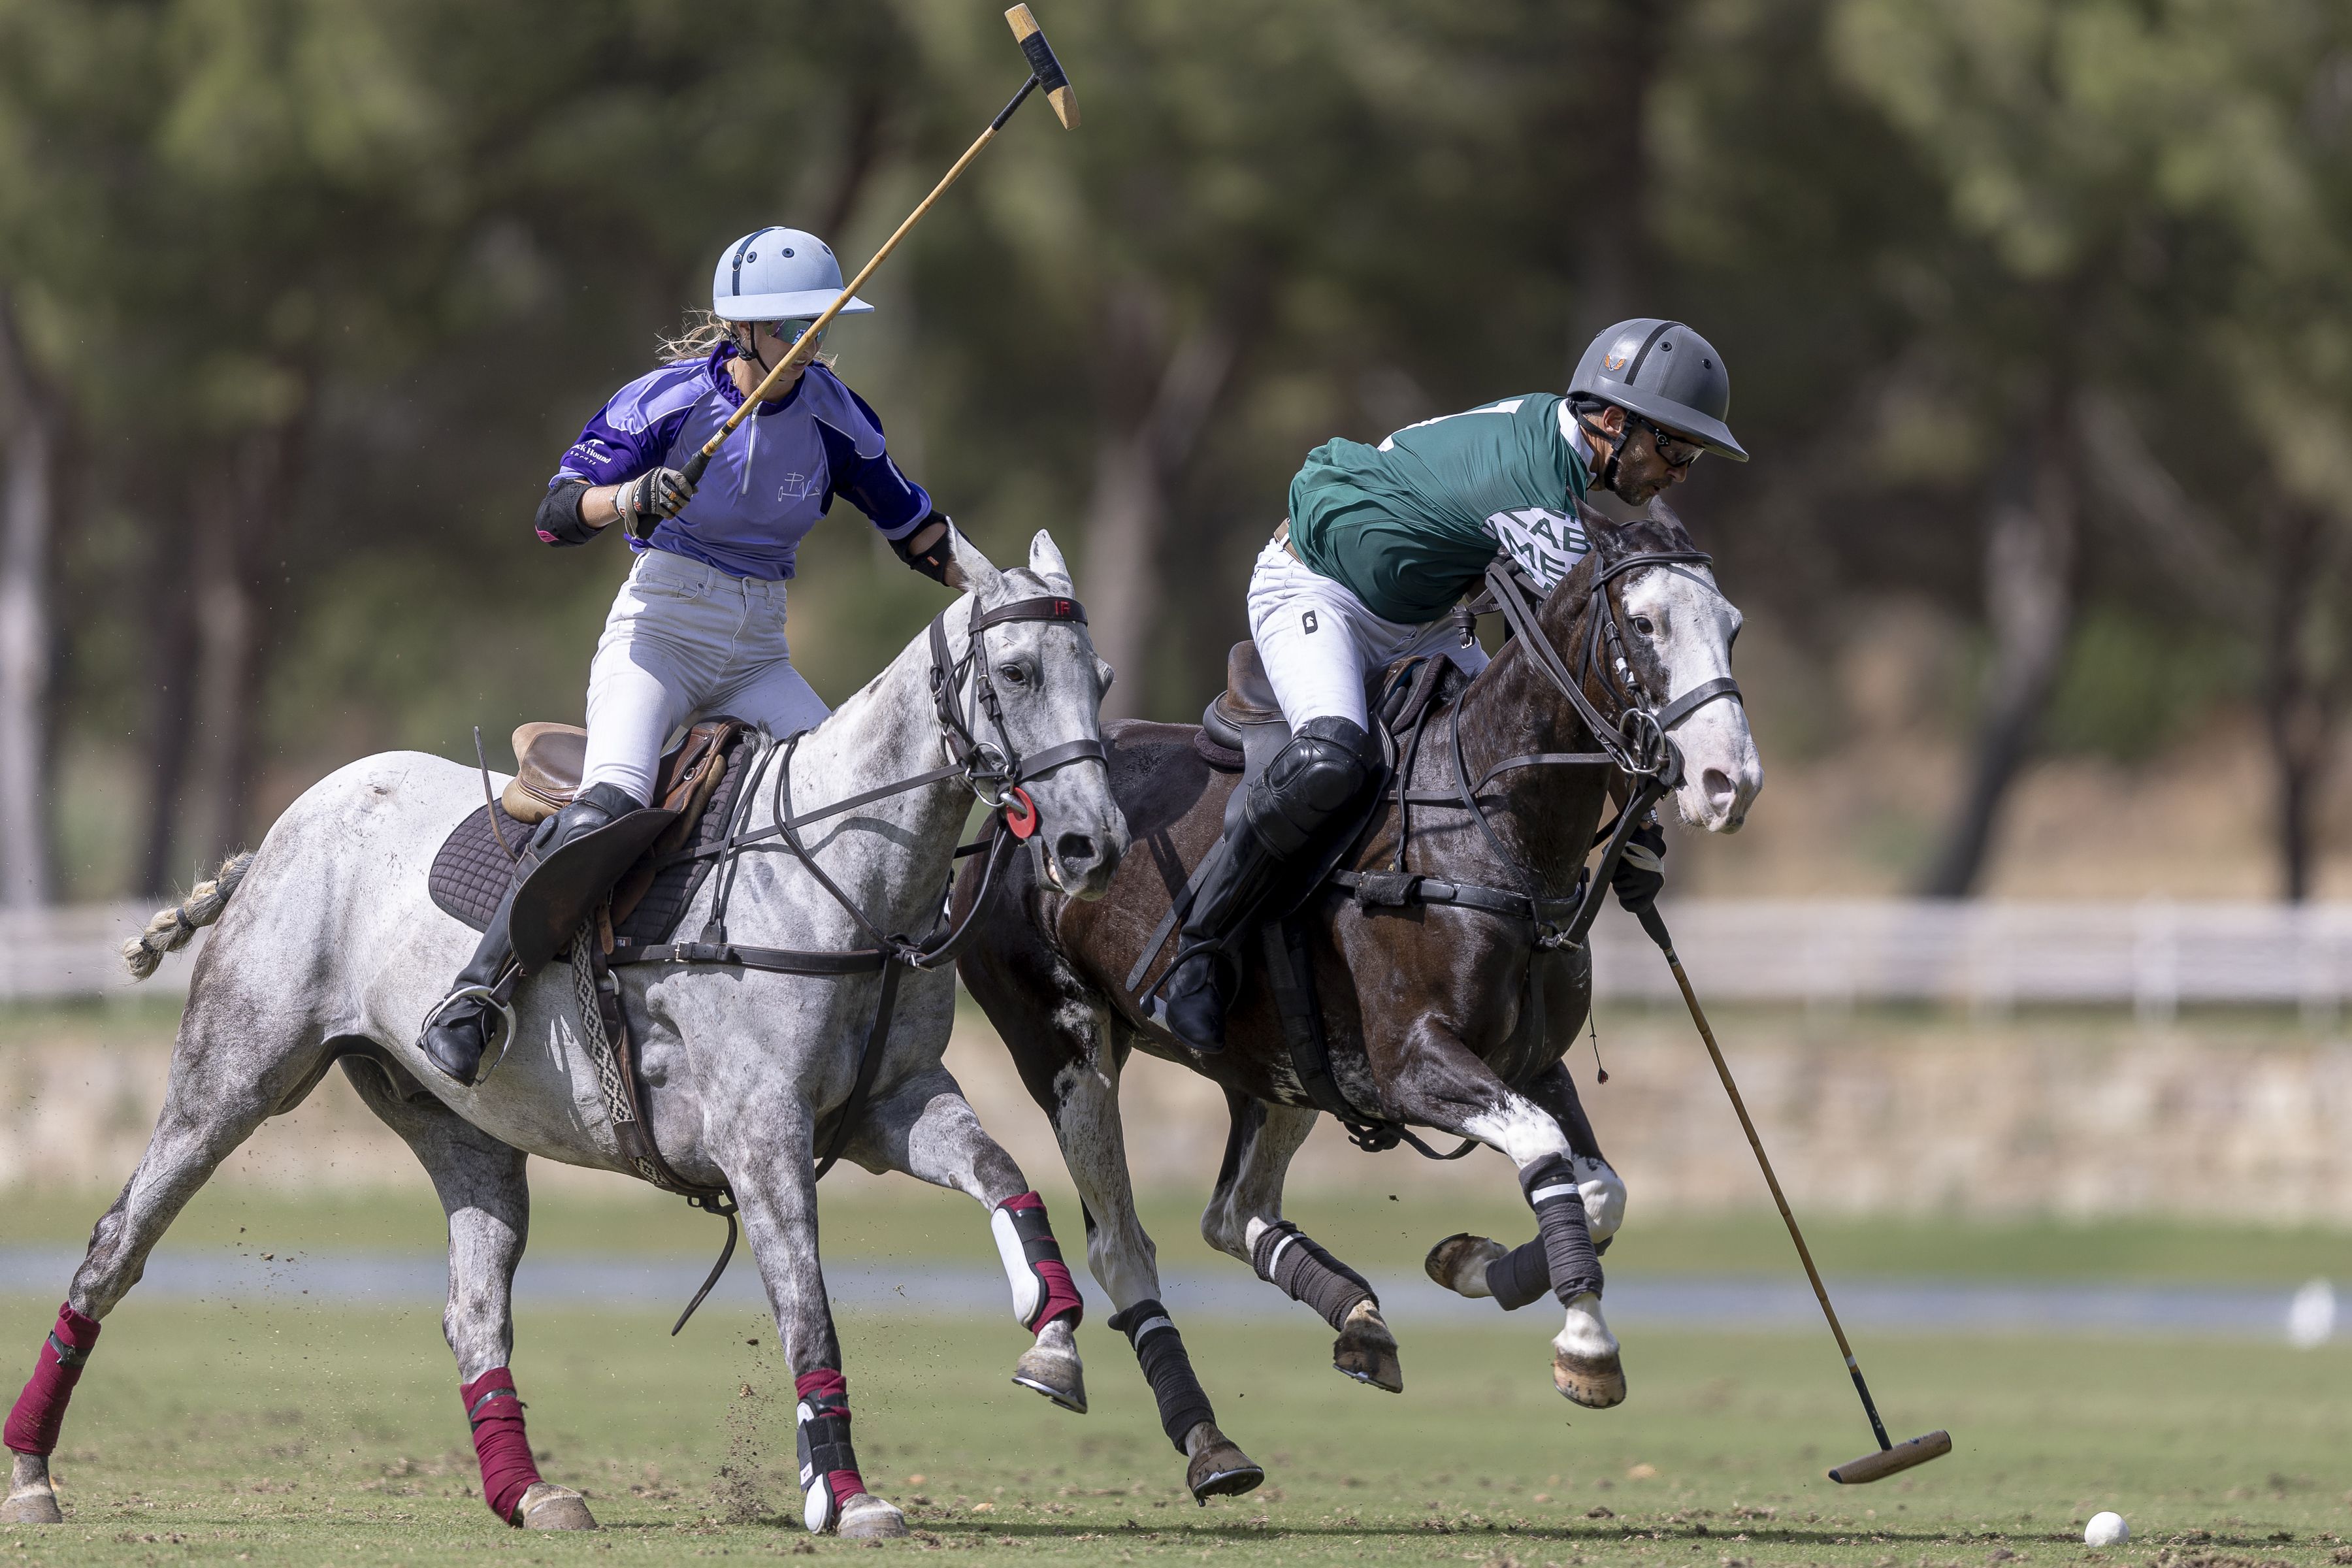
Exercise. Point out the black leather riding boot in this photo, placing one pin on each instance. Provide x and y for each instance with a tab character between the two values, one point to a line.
1311	781
457	1032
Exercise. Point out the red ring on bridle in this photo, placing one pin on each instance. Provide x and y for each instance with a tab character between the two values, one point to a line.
1020	813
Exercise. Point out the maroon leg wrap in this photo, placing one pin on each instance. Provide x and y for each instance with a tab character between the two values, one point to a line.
499	1443
827	1458
57	1366
1058	1293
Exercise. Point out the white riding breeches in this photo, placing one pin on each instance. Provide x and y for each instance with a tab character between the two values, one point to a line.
1319	642
687	641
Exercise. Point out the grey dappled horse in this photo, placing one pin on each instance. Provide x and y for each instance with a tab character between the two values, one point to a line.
329	949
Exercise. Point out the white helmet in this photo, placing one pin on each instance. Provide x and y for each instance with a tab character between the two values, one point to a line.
776	275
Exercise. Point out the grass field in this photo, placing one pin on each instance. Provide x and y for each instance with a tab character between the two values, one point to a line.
289	1433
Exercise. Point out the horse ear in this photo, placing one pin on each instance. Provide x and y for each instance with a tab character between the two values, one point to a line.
979	574
1045	557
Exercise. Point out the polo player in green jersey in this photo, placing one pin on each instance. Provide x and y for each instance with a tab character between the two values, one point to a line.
1382	541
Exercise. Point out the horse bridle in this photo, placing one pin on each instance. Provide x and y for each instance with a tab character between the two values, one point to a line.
993	771
1639	742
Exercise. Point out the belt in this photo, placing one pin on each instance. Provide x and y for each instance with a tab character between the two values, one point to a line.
1282	537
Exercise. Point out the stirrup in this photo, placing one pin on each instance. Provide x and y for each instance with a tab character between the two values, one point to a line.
494	1048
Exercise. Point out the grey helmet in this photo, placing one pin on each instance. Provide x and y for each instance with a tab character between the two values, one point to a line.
1666	373
775	275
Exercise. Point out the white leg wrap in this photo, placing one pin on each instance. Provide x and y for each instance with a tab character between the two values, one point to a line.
1028	1294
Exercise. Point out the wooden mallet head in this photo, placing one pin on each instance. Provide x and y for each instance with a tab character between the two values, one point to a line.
1044	66
1889	1461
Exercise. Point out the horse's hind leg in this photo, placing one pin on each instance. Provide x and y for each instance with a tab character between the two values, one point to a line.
241	1058
928	1131
482	1188
1244	1218
1478	1267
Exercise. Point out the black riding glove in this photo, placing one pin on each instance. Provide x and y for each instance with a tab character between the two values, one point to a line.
934	561
646	501
1641	873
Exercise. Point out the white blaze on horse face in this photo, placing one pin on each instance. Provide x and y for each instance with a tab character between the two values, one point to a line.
1691	628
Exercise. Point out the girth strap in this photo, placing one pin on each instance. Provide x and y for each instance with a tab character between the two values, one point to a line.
1390	890
768	959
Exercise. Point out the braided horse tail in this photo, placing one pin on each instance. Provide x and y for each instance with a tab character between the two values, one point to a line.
170	928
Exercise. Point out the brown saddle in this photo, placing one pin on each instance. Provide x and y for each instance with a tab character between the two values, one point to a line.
548	758
1243	728
475	866
547	775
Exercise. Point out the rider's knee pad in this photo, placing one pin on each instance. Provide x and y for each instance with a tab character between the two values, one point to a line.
1310	781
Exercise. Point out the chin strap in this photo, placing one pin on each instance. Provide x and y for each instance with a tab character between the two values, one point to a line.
1597	434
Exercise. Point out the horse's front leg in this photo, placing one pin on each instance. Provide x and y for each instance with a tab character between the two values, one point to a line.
1244	1218
768	1157
1439	1081
928	1129
1479	1266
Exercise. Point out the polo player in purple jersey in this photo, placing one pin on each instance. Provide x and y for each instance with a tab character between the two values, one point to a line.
699	627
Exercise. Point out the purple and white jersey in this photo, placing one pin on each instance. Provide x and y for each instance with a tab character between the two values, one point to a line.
768	484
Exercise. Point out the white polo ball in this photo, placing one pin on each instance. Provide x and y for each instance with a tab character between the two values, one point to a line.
2106	1530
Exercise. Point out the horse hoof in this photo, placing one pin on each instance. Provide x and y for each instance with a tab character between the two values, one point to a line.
1367	1351
1594	1382
547	1506
1221	1469
1056	1372
1460	1258
867	1518
31	1505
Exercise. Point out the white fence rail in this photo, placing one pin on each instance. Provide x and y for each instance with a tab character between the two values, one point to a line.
75	950
2154	956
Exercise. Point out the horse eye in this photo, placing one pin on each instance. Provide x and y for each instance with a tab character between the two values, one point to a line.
1646	626
1011	674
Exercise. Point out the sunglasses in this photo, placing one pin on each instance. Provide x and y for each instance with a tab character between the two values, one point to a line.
788	333
1675	451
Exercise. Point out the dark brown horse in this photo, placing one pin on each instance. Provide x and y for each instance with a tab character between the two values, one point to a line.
1446	1003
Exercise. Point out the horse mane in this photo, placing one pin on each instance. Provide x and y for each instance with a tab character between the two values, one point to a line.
1656	528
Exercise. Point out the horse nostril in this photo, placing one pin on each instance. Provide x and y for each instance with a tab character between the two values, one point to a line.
1074	850
1717	783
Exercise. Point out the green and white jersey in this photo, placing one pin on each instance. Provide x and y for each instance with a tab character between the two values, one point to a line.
1411	525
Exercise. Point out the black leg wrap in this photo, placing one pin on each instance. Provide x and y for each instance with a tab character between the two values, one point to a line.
1573	1264
1286	1258
1183	1403
1519	1276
